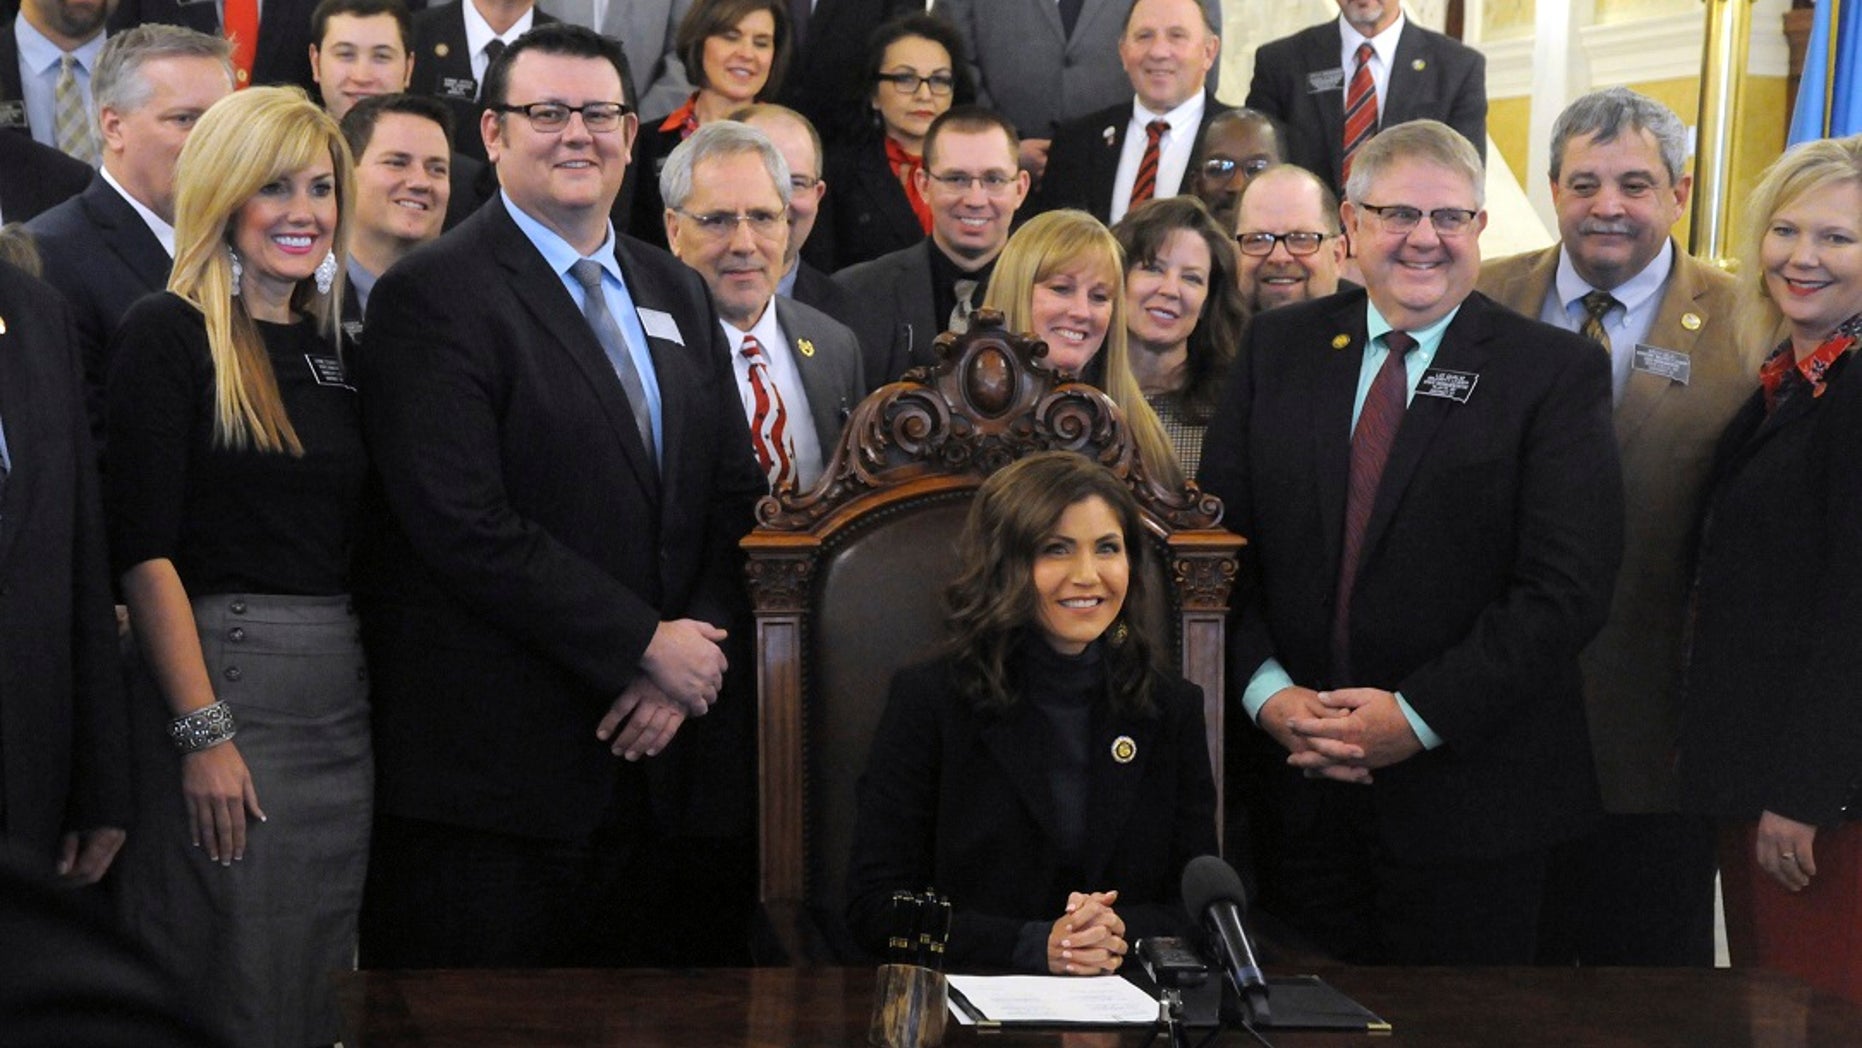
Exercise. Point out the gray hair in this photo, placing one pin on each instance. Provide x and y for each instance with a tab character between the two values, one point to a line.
715	140
1605	114
1427	140
117	80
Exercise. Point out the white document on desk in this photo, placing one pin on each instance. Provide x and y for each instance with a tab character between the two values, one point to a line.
1105	1000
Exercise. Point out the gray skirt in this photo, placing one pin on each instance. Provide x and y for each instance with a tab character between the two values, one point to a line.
254	945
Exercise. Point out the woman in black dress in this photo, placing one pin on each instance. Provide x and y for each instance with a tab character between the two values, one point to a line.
1044	774
235	470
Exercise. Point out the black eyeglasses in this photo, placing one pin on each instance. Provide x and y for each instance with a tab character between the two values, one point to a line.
1401	218
1260	245
598	117
1223	167
908	83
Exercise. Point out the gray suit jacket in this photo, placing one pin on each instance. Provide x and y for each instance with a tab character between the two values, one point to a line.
645	29
892	308
828	357
1028	69
1666	431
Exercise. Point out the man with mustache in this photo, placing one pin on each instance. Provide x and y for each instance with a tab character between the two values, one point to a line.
1640	889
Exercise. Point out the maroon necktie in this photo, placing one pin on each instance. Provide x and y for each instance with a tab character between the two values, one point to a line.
1370	449
769	420
1145	185
1360	107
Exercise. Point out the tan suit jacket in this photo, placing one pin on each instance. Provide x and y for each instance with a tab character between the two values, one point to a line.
1665	432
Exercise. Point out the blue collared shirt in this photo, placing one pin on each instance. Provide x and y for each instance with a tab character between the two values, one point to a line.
559	255
1640	297
1271	677
38	78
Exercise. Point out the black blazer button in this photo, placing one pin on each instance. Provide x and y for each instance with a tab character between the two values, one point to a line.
232	673
237	633
238	607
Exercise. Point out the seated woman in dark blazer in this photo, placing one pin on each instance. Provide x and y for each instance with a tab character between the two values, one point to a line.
915	70
1043	773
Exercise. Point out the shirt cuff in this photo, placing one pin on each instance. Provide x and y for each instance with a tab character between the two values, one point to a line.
1267	680
1429	739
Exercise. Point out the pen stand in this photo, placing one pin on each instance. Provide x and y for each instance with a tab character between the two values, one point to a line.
910	1005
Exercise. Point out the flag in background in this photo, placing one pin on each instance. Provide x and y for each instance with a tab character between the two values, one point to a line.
1835	34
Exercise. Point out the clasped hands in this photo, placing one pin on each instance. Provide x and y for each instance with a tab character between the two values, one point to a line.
1342	735
1089	938
682	672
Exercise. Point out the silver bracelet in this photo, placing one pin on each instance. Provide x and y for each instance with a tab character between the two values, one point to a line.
210	725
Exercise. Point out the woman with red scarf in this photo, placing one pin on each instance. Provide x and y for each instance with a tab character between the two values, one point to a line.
1771	741
915	70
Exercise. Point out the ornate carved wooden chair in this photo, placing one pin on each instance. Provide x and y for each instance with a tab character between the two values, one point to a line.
847	581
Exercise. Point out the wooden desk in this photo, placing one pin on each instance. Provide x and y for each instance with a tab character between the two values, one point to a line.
826	1008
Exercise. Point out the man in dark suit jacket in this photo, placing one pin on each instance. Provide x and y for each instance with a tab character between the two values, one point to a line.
1426	575
35	178
283	55
114	244
898	303
1097	163
1638	890
555	555
1301	80
64	750
449	67
810	359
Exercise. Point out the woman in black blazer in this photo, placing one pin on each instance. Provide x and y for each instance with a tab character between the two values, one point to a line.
1043	774
915	71
1771	743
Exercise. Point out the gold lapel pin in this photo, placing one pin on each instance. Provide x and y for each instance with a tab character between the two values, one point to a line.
442	50
1124	749
806	347
1691	321
1419	65
1340	341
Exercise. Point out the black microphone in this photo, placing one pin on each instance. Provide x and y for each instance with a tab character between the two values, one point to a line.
1213	894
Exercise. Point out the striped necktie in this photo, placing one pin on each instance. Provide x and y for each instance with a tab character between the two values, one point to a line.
769	419
1597	305
1360	107
1376	430
71	126
1145	185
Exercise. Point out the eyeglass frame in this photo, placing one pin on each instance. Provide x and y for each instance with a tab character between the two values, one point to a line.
1285	240
1203	166
898	80
622	109
961	181
706	227
1434	215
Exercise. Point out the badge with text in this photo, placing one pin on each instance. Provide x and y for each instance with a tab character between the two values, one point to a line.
1663	363
660	324
1448	384
463	88
1325	80
13	115
328	371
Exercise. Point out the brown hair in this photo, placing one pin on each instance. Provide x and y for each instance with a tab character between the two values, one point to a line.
1142	233
709	18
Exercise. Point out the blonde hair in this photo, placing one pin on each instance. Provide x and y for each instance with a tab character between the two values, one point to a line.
1064	239
1809	168
243	143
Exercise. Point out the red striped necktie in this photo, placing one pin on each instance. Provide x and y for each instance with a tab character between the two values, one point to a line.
1360	107
240	19
769	420
1376	430
1144	187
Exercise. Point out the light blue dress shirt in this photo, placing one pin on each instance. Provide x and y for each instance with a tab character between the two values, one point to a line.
558	253
1271	677
38	79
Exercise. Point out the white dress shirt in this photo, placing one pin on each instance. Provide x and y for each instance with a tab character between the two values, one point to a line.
1173	151
788	379
478	34
162	230
1384	44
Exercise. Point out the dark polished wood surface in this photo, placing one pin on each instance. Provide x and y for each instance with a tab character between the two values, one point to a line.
780	1007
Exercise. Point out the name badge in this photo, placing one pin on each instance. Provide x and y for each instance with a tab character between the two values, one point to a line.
1325	80
1663	363
328	371
660	325
463	88
13	114
1457	386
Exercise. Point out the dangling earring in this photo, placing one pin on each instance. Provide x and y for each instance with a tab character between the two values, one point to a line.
239	271
1119	634
326	273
